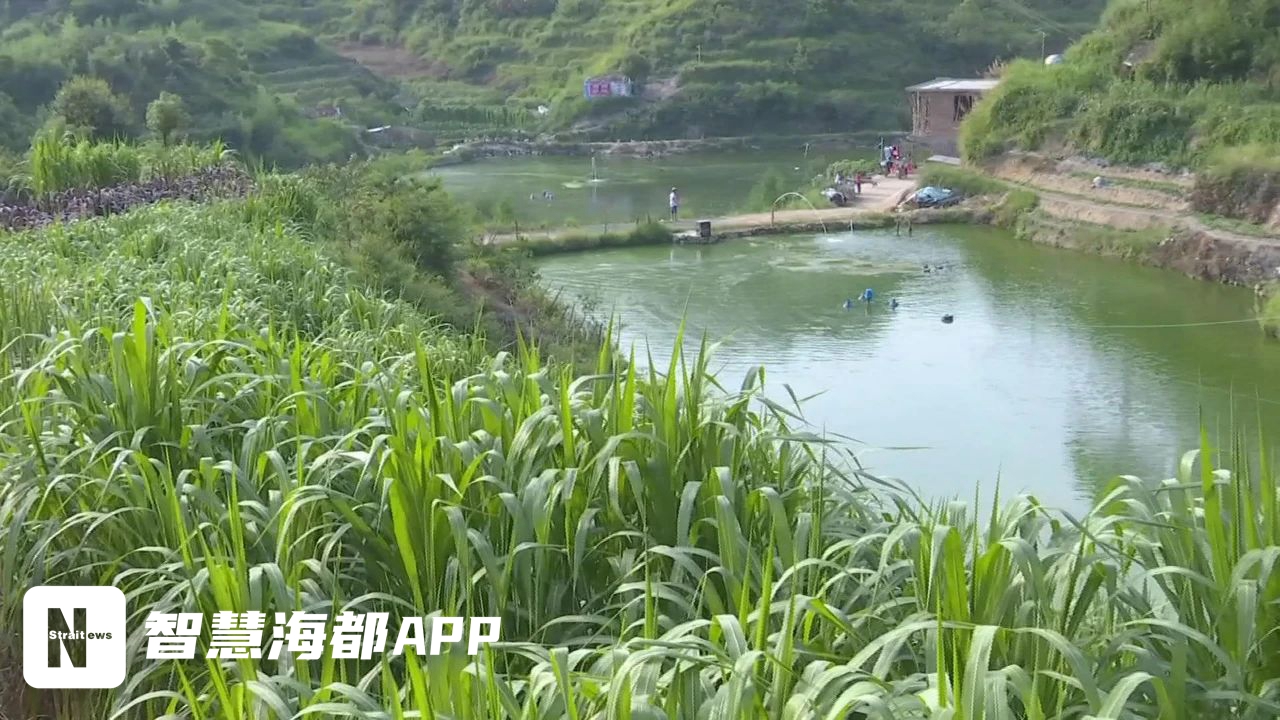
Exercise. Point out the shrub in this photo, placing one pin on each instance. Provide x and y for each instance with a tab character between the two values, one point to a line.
419	215
1030	102
962	180
1269	311
849	167
1135	123
1015	204
167	115
88	104
1241	183
61	162
650	233
1205	78
767	190
287	199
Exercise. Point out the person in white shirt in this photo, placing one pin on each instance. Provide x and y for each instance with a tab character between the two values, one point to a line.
674	201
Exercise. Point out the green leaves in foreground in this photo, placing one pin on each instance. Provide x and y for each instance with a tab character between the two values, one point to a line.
658	546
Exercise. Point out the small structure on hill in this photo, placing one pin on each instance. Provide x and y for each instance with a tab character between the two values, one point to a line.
389	136
325	110
939	106
606	86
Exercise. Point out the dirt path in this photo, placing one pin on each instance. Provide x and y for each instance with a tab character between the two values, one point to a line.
392	62
1065	195
1071	207
879	198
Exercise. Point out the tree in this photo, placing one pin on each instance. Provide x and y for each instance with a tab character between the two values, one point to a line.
166	115
88	104
90	11
417	215
636	66
799	64
15	128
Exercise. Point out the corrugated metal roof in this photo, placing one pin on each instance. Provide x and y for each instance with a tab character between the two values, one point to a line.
954	85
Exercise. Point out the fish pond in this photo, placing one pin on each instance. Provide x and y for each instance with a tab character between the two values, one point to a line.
1059	371
607	189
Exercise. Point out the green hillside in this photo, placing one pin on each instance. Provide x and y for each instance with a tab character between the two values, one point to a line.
244	71
712	66
253	73
1159	81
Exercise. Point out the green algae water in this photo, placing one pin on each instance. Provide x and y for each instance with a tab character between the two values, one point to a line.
1060	370
624	189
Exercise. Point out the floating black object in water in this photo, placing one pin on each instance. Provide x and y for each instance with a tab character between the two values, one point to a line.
948	319
893	303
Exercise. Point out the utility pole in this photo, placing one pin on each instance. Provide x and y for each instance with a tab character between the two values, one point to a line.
1043	37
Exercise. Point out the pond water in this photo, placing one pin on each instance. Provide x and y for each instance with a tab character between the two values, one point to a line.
628	189
1060	370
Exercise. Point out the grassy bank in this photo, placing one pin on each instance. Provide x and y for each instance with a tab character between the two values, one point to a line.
967	181
1097	239
1241	187
655	544
1157	81
650	233
286	402
1269	311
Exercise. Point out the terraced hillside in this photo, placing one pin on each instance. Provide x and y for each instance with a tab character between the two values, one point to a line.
244	71
713	66
258	74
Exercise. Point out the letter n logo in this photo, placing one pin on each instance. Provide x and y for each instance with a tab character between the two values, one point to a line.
76	645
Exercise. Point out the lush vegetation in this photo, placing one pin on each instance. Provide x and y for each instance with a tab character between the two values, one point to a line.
716	68
204	69
646	233
1158	81
776	191
962	180
1269	311
62	162
257	74
292	400
64	179
1241	183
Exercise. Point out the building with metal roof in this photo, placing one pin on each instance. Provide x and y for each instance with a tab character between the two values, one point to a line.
954	85
939	106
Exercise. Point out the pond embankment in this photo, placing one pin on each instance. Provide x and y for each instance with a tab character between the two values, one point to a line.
479	149
1147	215
1164	219
872	208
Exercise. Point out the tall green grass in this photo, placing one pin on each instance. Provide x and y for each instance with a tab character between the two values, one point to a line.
1269	311
647	233
1203	80
962	180
212	414
59	162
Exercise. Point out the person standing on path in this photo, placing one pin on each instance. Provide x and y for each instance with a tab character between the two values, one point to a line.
674	202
